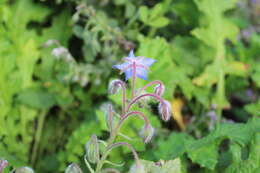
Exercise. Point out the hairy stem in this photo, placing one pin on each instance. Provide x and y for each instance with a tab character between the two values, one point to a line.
147	123
150	84
129	146
134	100
122	84
134	79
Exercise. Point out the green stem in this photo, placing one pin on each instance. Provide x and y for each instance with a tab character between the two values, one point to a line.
152	32
38	135
104	156
134	79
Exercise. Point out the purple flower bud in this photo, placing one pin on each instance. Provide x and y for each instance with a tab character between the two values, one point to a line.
73	168
159	90
24	169
165	110
3	164
92	149
147	133
114	86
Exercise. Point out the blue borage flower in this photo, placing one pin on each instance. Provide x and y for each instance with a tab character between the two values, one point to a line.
135	65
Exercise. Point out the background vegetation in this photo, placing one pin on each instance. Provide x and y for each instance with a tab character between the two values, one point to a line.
56	59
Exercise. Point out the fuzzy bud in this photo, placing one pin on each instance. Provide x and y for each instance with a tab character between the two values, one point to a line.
49	43
147	133
109	117
92	149
59	51
24	169
137	168
165	110
159	89
3	164
73	168
114	86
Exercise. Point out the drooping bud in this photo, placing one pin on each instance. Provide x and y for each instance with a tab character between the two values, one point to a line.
24	169
92	149
165	110
114	86
109	117
3	164
109	113
147	133
49	43
159	89
59	51
73	168
137	168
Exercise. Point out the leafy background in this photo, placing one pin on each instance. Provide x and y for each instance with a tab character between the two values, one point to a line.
208	58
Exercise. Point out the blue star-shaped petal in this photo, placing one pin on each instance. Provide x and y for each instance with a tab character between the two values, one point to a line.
140	64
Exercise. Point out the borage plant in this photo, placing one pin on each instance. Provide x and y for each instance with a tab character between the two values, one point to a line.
133	67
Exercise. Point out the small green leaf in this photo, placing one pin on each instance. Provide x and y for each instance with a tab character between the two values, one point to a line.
143	14
159	22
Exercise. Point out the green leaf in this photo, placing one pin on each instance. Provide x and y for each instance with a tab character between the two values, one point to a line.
172	147
249	165
253	108
171	166
205	151
204	154
36	98
143	10
159	22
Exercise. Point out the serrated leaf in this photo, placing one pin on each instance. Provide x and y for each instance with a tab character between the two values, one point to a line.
251	164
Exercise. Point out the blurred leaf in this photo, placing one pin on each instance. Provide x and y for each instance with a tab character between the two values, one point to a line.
177	105
172	147
173	166
154	17
236	68
36	98
249	165
253	108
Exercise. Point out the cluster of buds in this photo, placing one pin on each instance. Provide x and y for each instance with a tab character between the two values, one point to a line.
133	67
77	72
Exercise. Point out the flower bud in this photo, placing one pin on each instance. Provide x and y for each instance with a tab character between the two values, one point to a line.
59	51
24	169
73	168
114	86
159	89
92	149
3	164
109	117
165	110
137	168
147	133
49	43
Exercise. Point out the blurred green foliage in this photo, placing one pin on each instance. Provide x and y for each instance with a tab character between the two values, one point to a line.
207	55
